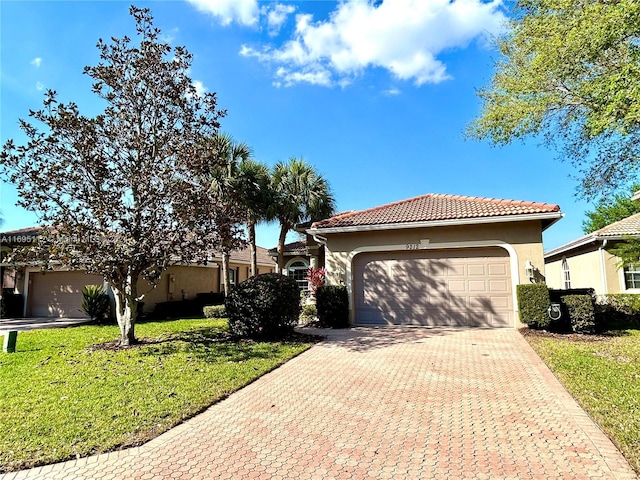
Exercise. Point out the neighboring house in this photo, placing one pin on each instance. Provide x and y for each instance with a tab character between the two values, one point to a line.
435	259
587	262
298	257
57	293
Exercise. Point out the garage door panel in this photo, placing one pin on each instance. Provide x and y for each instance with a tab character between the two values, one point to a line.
58	294
496	286
477	270
497	269
477	286
445	287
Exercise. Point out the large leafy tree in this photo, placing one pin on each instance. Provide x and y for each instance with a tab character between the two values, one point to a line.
570	71
301	195
119	191
229	213
611	209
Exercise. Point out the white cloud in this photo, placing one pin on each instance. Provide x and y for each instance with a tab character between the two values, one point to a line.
244	12
392	91
36	62
200	88
39	86
404	37
276	16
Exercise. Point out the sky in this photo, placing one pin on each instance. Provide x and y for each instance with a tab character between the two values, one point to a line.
376	95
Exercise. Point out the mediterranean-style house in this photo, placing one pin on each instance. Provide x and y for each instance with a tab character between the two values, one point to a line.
436	259
587	262
430	260
57	293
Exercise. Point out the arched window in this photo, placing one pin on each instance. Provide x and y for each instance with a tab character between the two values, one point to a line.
298	271
566	275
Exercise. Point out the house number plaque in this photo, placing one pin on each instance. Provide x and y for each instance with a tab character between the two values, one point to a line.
413	246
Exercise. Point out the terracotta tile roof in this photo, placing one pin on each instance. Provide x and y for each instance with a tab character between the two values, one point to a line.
244	256
433	207
26	236
293	248
627	226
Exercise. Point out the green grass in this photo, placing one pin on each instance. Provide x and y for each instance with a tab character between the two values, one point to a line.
603	375
62	399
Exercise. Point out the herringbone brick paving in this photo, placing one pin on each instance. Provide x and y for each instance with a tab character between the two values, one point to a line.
381	403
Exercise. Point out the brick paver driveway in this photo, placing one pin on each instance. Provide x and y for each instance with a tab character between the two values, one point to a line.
382	403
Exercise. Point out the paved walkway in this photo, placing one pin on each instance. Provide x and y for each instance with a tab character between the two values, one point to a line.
404	403
36	323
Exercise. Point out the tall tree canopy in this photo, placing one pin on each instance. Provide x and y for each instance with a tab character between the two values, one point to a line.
301	195
229	212
120	191
570	71
611	209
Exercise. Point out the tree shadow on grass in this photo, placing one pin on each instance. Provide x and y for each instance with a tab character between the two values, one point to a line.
211	345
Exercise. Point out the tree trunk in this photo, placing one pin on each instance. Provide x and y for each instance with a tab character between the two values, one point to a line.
251	224
283	236
127	309
225	272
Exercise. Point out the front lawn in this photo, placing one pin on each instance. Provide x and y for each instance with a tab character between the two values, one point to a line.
63	399
603	374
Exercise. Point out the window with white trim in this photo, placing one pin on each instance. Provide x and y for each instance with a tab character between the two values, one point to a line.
566	275
632	276
298	271
232	276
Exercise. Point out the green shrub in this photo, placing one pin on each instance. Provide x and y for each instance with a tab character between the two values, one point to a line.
581	312
624	307
95	302
332	303
533	303
264	306
214	311
309	313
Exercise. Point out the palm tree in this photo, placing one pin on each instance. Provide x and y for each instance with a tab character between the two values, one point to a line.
302	194
229	214
257	196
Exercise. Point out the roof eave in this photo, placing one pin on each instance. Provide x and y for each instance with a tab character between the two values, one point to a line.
550	217
568	247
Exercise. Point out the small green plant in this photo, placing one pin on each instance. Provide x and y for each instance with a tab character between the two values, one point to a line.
533	303
264	306
214	311
581	312
95	302
309	313
332	303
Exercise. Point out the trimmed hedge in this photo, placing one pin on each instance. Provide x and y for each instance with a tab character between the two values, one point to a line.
581	312
618	308
214	311
332	302
264	306
533	303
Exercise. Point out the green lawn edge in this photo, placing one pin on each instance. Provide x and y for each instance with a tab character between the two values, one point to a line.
65	399
602	373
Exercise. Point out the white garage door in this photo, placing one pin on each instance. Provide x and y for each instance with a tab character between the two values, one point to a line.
58	294
469	287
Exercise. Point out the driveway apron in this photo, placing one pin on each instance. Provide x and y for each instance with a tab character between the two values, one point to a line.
376	403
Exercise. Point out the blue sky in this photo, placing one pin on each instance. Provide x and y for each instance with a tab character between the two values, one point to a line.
375	96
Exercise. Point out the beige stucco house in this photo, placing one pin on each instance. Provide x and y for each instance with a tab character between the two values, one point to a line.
436	259
58	292
588	263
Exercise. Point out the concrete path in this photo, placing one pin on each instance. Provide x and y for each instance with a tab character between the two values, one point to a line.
36	323
405	403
